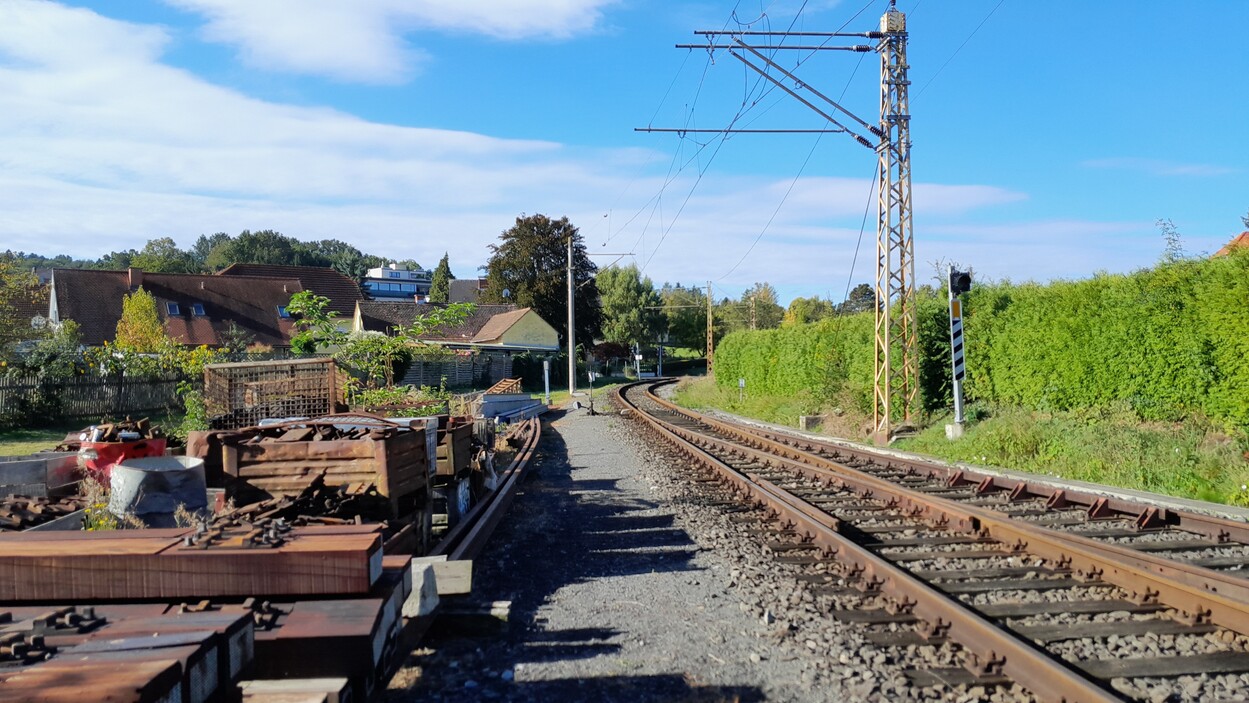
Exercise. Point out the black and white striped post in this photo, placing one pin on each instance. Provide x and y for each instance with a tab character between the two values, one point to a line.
960	282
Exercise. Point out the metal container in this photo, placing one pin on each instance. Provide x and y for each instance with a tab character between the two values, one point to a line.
153	488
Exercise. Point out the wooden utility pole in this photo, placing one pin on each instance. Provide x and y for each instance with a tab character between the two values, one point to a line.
754	322
711	332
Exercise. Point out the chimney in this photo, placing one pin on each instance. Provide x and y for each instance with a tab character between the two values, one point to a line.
136	277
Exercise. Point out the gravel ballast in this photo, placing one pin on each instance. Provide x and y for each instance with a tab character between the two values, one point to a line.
628	584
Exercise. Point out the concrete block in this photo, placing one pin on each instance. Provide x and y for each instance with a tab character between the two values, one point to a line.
424	598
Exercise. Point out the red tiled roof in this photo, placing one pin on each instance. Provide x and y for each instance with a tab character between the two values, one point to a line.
93	299
341	290
1240	240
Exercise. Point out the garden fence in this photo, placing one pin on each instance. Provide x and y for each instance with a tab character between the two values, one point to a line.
31	400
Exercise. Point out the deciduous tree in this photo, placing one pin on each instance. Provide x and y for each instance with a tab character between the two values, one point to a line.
805	310
164	256
17	283
140	328
631	307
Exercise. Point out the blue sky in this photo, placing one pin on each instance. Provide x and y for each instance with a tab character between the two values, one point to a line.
1046	147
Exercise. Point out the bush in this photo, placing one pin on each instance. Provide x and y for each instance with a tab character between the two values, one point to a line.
1166	343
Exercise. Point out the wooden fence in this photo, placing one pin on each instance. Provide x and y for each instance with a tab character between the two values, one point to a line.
84	397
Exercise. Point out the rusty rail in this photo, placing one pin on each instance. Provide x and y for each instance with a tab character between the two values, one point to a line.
469	536
1203	595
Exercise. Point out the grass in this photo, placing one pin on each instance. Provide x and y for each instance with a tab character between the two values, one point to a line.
1187	460
702	392
1192	459
20	442
28	440
602	387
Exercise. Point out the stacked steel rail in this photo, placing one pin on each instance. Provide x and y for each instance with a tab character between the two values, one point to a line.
962	558
297	603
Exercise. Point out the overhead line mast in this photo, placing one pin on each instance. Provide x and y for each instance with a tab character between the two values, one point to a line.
896	366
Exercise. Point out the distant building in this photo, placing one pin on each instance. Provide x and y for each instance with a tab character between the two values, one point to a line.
466	290
195	308
1239	241
321	280
396	281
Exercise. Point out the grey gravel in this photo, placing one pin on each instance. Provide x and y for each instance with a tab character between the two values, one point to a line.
628	586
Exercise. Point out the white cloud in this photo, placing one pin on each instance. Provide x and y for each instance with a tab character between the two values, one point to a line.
1159	167
364	40
103	147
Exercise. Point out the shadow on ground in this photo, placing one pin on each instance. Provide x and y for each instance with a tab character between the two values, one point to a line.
560	531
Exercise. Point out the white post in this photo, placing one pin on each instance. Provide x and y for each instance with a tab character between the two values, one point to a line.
546	379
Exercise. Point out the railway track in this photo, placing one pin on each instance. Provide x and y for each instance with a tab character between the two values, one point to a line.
1073	596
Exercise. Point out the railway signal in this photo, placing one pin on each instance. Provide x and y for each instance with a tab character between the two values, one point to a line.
960	282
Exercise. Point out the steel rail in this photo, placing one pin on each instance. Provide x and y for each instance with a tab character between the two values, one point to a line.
993	650
1204	595
1144	515
467	539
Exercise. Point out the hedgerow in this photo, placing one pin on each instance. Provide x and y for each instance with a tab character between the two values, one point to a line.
1166	343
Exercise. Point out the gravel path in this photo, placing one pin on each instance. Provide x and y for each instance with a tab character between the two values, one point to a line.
612	598
629	583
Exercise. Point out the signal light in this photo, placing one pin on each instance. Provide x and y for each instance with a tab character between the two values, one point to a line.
960	282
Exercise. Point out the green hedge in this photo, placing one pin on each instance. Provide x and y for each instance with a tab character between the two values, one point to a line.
1167	343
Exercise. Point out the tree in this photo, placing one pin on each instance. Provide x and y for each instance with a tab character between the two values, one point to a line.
315	324
861	299
530	263
116	260
17	283
57	355
140	328
163	256
1245	220
631	307
802	311
204	247
762	310
263	247
235	340
440	288
685	309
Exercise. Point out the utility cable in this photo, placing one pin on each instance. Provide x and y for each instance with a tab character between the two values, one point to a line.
960	48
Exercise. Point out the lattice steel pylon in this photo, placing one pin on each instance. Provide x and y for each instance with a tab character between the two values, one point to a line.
897	348
897	361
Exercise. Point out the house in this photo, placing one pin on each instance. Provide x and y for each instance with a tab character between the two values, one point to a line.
196	308
396	281
486	339
342	291
466	290
1240	240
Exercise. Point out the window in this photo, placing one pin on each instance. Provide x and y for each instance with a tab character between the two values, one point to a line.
197	309
173	309
282	312
395	274
409	288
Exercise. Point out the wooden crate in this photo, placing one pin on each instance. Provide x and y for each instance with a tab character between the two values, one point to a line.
455	448
397	465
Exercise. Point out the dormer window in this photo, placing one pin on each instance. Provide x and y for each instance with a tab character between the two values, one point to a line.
197	309
172	309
